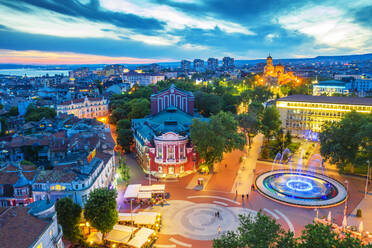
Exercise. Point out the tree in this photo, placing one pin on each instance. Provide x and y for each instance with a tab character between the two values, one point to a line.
347	142
123	170
215	137
271	122
36	114
13	111
68	216
123	124
4	125
125	139
256	108
100	209
250	125
258	231
139	108
1	106
207	104
118	114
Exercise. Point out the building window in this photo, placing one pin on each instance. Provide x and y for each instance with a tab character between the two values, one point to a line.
171	152
19	192
182	169
160	169
159	151
182	151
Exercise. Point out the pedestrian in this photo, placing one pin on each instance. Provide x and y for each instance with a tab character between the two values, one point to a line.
236	193
219	229
225	165
218	214
215	214
247	196
242	197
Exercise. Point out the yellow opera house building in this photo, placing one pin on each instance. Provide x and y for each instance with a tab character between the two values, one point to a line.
304	115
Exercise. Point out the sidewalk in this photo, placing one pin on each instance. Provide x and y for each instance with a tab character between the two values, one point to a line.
365	206
245	177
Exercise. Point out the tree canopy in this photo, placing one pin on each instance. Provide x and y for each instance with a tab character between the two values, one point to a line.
215	137
270	123
68	216
250	125
36	114
349	141
100	209
261	231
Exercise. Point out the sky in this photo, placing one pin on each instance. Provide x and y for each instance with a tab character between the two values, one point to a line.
149	31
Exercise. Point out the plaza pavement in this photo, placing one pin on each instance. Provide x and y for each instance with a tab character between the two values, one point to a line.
365	206
188	220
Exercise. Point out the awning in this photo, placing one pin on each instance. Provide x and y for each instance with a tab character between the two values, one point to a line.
144	195
132	191
141	237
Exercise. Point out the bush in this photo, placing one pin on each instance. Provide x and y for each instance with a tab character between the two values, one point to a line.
359	213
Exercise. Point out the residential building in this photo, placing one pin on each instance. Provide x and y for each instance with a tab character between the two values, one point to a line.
304	115
34	226
212	64
87	107
162	140
75	179
15	184
142	79
185	65
199	65
228	63
331	87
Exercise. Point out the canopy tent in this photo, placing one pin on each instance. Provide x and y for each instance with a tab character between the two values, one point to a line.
142	218
141	237
143	192
144	195
121	234
132	191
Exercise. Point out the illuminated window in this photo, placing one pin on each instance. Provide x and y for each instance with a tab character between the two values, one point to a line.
58	187
40	245
52	188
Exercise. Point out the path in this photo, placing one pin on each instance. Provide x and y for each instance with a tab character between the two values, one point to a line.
245	177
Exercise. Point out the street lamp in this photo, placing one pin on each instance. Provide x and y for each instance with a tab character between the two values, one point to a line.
366	188
347	195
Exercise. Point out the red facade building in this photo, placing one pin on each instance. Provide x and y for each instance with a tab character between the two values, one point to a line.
163	145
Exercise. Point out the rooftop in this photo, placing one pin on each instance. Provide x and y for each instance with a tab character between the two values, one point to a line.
328	99
18	229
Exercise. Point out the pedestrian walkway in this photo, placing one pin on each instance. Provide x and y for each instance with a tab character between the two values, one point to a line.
365	206
245	177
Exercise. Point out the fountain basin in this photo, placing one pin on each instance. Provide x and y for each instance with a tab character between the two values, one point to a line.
301	189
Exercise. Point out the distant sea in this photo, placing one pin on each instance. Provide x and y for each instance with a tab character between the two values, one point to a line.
31	72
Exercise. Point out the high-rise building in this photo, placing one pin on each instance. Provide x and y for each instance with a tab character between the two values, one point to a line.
185	65
198	65
212	64
228	63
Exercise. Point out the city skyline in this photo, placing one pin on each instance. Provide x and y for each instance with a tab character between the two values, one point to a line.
78	32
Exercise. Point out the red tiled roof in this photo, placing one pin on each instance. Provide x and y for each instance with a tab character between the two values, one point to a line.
55	176
18	229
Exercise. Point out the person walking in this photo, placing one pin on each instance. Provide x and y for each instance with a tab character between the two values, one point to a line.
219	229
247	196
242	197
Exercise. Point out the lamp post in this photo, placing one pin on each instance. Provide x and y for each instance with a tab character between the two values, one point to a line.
347	192
366	188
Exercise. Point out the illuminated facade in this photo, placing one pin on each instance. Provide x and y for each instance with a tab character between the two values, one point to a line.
304	115
276	73
331	87
162	140
87	107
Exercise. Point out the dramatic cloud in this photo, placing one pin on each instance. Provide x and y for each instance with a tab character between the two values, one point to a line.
177	29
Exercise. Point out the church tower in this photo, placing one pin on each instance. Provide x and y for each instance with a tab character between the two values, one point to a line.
269	60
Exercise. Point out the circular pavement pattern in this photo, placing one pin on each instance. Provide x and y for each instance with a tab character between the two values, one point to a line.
301	186
198	221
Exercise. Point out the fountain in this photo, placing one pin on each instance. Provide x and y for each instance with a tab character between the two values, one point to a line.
301	186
